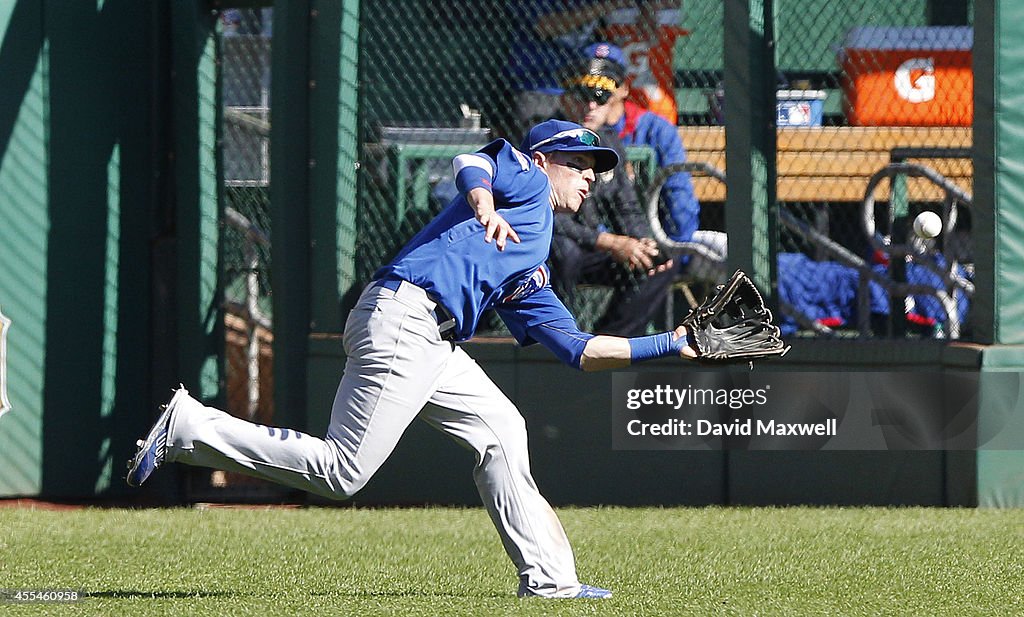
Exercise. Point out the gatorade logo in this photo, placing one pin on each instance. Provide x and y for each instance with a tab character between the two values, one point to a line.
915	80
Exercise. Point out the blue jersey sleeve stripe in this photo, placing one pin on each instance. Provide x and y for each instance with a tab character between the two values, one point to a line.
655	346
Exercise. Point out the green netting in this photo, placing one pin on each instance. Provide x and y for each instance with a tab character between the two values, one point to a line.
245	61
870	94
894	86
861	86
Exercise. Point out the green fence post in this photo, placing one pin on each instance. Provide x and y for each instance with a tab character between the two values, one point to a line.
290	164
998	233
750	137
983	223
197	193
334	143
334	150
348	146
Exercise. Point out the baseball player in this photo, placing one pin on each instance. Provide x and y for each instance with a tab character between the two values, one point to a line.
485	250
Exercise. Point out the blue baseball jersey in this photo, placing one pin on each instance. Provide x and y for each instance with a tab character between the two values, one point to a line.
450	260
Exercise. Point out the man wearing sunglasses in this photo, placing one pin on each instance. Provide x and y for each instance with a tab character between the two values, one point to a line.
599	84
609	240
486	250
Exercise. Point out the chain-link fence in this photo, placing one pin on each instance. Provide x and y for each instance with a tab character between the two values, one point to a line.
245	54
873	128
872	122
870	94
241	120
887	88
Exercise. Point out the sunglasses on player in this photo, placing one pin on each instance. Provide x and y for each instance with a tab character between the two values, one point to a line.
588	94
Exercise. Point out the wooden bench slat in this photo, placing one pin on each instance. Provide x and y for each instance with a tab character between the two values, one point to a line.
850	138
860	164
863	164
839	188
703	137
861	138
835	163
825	163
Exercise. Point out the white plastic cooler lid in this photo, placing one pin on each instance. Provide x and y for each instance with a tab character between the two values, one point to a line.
800	95
930	38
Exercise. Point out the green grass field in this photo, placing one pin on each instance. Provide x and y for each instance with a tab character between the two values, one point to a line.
411	562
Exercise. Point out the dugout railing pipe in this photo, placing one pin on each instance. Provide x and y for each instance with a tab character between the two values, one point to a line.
918	250
249	309
654	215
703	251
915	250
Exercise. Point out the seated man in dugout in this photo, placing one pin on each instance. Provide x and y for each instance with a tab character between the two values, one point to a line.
635	125
608	241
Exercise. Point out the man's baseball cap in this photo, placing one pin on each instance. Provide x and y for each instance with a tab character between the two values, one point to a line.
599	66
565	136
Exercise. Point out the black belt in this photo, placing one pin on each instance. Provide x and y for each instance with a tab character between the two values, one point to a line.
445	321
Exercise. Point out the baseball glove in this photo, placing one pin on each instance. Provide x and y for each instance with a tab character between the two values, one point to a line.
734	325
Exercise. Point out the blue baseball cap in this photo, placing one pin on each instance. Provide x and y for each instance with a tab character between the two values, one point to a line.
598	66
565	136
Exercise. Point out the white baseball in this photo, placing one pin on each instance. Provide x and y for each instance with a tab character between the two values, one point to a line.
927	225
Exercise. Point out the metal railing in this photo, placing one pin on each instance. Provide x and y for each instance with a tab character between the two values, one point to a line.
653	198
917	250
249	308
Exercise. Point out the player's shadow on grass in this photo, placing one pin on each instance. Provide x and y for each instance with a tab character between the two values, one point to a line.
405	594
131	594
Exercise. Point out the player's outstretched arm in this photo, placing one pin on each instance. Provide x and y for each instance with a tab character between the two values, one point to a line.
610	352
542	318
731	325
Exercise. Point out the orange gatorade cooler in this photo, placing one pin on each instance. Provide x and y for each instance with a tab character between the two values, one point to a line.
908	76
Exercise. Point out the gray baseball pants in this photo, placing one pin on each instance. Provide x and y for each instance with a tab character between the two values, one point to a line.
397	362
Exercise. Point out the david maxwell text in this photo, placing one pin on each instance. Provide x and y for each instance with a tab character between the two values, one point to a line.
747	427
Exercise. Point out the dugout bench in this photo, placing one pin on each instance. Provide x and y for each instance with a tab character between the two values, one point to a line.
862	167
834	164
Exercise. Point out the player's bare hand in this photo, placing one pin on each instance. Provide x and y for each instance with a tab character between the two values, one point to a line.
497	229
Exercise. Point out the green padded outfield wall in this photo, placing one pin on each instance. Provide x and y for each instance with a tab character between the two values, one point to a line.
75	216
24	224
999	212
1001	469
1008	146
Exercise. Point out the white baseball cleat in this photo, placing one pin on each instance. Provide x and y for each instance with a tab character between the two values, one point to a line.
589	591
586	591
